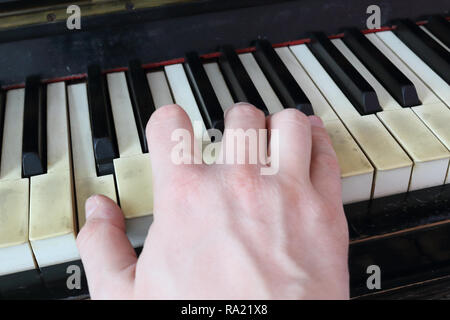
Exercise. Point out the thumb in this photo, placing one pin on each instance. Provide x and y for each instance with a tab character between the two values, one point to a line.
108	258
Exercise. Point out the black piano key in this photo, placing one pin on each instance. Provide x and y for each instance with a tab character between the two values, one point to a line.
440	28
34	158
392	79
103	135
353	85
206	97
141	98
2	120
281	80
431	52
238	80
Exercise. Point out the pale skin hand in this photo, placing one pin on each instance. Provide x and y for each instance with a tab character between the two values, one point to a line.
225	231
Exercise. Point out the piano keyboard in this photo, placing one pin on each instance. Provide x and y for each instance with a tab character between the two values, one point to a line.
384	98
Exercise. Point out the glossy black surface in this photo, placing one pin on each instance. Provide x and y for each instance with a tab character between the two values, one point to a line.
55	280
398	212
353	85
208	103
406	235
390	77
22	285
141	98
2	120
436	289
238	80
440	28
103	134
431	52
281	80
34	157
403	258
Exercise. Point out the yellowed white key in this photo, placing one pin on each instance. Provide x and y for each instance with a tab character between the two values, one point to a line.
437	118
320	105
263	87
430	156
433	114
392	164
182	92
341	105
133	170
219	85
15	250
387	102
426	96
356	170
375	140
86	181
52	211
159	88
420	68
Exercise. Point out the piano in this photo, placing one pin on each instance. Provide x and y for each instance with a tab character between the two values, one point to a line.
75	102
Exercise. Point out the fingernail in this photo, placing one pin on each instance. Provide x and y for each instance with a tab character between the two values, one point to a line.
233	106
316	121
91	206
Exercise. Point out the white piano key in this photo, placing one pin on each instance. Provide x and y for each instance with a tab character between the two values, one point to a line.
184	97
356	170
122	110
219	85
341	105
86	181
15	258
434	37
15	250
423	71
426	96
11	163
133	171
437	119
392	164
159	88
430	156
320	105
52	217
260	81
387	102
368	132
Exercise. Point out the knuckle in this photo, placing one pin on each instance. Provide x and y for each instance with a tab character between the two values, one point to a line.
329	161
292	115
186	183
322	137
165	113
95	228
244	109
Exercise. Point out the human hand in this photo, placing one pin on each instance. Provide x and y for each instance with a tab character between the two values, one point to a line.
226	231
